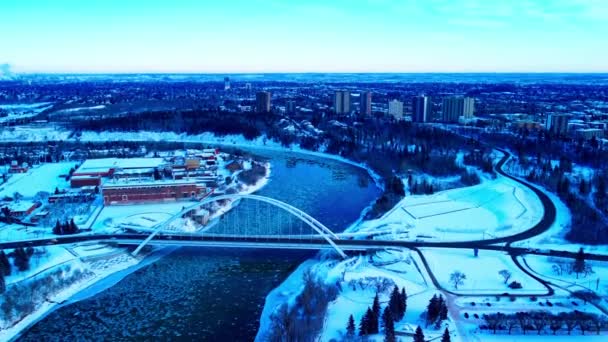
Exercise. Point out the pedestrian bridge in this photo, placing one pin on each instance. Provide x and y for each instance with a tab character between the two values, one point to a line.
241	232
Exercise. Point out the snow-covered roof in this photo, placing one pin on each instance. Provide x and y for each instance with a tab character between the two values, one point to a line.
98	165
21	206
141	183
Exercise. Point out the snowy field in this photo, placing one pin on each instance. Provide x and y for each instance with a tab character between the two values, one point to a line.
137	215
495	208
43	259
30	133
481	272
23	111
557	270
45	177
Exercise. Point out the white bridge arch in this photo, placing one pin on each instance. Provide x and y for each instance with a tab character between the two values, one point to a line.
317	226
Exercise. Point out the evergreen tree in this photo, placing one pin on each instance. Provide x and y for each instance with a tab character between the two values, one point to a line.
73	227
403	304
22	259
57	228
579	263
446	336
432	310
350	327
443	309
389	325
2	283
365	322
393	303
419	335
5	264
376	306
374	324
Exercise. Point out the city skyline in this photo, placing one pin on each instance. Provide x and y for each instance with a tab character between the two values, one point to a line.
271	36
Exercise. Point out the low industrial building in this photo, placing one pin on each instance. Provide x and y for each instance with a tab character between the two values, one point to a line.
153	191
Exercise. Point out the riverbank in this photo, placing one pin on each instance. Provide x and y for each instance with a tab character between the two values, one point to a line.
66	296
105	271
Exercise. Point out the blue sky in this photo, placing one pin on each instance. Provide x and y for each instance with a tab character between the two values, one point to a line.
304	36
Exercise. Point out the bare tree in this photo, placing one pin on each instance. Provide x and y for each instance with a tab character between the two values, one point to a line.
569	320
524	320
558	269
494	321
598	322
588	270
540	320
457	278
583	320
511	322
556	323
506	275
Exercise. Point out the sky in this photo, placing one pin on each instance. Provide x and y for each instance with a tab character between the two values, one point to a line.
226	36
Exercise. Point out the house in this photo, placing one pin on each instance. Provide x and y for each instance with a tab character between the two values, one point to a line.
22	208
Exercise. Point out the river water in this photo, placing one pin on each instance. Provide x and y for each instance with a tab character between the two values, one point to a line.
214	294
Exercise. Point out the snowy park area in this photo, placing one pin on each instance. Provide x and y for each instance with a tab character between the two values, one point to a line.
494	208
358	280
560	271
45	177
361	278
136	215
481	272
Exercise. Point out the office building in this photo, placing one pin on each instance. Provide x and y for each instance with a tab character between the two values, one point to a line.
455	107
395	109
589	133
557	123
262	102
365	103
290	107
342	102
421	109
226	83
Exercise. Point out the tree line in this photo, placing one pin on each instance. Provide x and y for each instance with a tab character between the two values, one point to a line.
541	321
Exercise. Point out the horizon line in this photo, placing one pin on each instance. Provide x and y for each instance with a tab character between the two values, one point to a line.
292	72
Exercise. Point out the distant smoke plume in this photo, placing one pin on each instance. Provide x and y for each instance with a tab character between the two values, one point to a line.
5	69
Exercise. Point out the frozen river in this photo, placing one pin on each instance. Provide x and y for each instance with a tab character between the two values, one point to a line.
210	294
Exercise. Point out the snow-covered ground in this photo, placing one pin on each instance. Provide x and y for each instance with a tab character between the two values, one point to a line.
115	216
45	177
95	271
557	270
33	133
481	272
22	111
359	279
554	238
494	208
43	259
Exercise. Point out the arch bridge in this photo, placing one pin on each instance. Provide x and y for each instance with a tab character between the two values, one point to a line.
316	227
